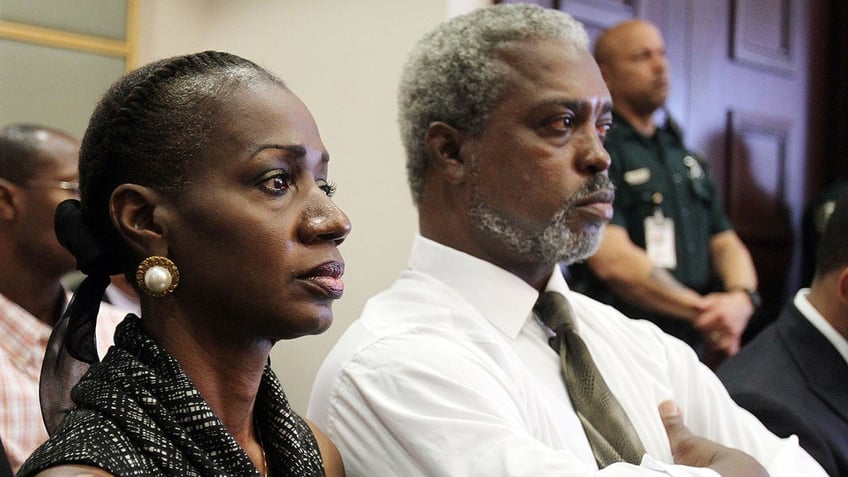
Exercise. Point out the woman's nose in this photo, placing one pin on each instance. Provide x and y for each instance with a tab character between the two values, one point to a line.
325	222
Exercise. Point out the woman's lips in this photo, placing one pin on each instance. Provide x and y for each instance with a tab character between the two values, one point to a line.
327	277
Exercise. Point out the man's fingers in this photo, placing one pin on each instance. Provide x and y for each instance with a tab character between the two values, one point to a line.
695	451
684	445
672	419
669	409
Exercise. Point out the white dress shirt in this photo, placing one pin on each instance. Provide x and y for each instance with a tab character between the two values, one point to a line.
820	323
448	373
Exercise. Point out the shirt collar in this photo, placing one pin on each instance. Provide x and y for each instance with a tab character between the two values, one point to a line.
500	297
24	335
816	319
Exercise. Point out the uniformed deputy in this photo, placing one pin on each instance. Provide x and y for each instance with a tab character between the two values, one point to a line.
669	254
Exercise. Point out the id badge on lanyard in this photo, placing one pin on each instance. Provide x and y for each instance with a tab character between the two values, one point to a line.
659	237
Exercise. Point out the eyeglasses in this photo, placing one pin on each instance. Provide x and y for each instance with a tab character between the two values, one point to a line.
65	185
48	183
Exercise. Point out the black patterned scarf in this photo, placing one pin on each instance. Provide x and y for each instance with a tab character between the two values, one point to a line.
137	413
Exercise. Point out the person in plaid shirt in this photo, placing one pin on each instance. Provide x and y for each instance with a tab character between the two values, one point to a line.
38	169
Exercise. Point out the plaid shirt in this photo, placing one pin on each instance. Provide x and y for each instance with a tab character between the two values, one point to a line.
22	347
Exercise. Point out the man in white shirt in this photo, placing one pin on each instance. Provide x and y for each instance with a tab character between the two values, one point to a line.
449	373
794	375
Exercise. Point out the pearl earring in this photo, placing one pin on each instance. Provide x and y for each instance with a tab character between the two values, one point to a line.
157	276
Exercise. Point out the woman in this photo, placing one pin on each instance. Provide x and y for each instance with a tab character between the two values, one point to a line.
204	180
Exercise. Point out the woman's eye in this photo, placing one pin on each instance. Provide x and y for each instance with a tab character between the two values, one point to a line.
329	188
277	183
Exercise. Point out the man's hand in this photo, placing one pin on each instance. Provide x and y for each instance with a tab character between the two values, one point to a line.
724	320
695	451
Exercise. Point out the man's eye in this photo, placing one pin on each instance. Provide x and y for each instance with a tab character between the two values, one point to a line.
277	183
563	122
603	129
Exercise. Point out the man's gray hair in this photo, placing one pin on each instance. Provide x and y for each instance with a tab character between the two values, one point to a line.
452	75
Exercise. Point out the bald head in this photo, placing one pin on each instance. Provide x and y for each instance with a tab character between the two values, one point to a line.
613	41
27	148
633	62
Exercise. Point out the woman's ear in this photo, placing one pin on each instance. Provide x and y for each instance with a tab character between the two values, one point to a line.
132	210
443	143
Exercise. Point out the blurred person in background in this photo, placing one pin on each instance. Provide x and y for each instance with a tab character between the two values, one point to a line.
38	170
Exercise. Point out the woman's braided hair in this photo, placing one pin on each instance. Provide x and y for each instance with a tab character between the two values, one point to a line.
148	129
151	125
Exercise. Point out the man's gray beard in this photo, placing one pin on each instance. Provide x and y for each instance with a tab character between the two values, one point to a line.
557	242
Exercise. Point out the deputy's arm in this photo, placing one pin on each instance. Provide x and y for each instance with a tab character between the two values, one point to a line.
727	313
626	270
732	261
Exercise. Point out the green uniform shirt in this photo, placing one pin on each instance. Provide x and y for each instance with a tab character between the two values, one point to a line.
660	169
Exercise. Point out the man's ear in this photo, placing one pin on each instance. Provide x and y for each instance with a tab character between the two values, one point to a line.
443	143
842	286
132	210
8	201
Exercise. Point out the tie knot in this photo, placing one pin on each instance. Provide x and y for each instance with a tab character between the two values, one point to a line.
554	311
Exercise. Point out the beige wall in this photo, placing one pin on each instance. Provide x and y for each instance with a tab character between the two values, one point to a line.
343	58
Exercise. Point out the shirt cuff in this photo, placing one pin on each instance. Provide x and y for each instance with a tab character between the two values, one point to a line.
671	470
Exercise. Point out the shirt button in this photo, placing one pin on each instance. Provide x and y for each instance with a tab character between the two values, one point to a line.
690	247
676	178
684	212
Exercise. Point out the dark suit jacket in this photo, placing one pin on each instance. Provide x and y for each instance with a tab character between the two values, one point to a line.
793	379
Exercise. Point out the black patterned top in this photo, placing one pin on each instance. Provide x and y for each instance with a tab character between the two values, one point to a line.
137	413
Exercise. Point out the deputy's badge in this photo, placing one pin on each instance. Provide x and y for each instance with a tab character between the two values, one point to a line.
695	169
